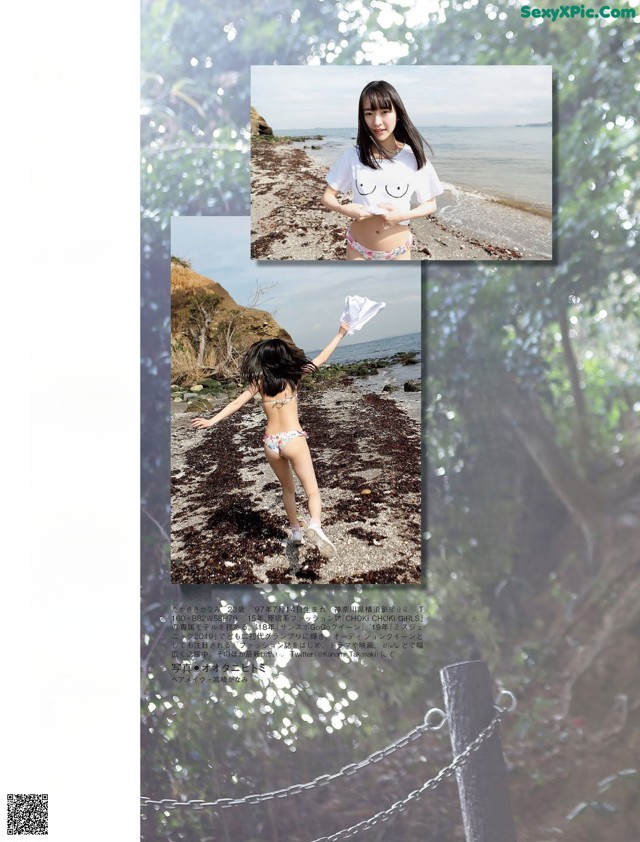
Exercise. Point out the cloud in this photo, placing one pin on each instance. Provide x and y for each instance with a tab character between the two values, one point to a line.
307	298
301	97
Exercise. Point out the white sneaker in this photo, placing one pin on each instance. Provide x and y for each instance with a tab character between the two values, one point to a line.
316	537
296	536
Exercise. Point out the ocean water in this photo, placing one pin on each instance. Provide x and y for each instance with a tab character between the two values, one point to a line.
395	375
376	349
498	180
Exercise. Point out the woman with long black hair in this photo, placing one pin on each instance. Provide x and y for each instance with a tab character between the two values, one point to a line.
273	369
386	168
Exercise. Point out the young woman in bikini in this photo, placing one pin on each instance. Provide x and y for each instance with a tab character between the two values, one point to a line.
383	171
273	368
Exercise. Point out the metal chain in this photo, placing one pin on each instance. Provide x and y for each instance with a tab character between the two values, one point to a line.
321	780
457	763
383	816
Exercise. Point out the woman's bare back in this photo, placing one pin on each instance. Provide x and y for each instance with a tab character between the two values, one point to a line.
281	411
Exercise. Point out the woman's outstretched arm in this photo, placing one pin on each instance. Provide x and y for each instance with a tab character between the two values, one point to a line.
324	355
229	409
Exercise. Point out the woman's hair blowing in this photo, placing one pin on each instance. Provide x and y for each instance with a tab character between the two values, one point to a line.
273	364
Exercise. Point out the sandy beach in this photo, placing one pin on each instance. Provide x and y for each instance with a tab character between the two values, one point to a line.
289	222
228	520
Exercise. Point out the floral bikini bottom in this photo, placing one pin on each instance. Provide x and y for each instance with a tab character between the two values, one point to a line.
277	441
371	254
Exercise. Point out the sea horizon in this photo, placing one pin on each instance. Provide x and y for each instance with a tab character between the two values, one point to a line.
498	180
375	349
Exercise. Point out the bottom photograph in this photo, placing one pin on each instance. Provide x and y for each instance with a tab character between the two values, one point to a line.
295	416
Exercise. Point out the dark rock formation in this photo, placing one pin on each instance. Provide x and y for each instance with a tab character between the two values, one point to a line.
259	125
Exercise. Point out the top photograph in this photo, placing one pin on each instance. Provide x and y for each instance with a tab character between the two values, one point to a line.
438	162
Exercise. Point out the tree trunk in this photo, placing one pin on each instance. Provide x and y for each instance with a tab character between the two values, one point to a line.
576	388
581	499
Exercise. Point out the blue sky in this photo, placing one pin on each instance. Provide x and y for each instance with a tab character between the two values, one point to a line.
305	298
304	97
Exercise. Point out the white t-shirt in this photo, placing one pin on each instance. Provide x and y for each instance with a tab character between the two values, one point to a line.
397	180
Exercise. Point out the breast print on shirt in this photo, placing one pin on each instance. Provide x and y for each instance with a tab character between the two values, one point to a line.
394	182
393	189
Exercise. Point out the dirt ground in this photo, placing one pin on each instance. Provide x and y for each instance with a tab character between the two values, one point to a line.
228	520
289	222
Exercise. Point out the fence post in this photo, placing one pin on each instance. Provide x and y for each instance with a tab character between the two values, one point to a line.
482	781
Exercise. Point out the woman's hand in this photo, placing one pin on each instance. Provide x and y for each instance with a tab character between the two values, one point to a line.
356	211
201	423
352	209
392	217
344	329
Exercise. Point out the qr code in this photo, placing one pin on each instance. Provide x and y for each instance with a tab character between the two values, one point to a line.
27	814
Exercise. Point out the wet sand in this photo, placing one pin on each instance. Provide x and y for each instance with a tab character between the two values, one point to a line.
289	222
228	520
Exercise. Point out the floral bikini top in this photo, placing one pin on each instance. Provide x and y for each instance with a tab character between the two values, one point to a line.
281	401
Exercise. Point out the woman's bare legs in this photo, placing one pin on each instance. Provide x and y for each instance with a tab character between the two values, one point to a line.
296	455
282	470
297	452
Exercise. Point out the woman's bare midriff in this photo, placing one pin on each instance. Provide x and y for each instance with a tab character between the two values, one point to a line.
372	234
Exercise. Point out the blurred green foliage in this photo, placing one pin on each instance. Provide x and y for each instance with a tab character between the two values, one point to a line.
493	517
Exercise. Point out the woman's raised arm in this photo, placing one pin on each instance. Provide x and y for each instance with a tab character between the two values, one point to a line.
324	355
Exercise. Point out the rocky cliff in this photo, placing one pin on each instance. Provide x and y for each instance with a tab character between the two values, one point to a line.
209	330
258	124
